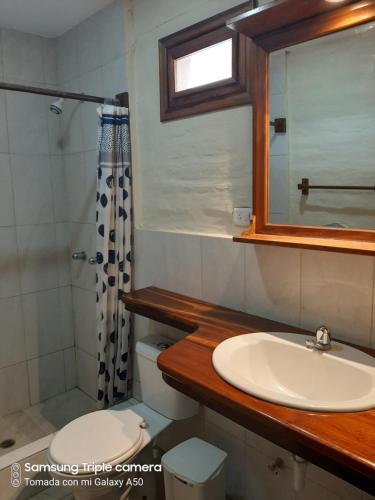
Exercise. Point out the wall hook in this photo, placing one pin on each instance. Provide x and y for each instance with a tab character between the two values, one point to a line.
280	125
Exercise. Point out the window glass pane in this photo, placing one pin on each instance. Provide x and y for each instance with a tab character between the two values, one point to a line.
211	64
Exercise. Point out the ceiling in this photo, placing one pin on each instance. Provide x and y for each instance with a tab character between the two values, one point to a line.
49	18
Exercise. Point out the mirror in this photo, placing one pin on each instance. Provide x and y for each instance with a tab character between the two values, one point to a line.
322	169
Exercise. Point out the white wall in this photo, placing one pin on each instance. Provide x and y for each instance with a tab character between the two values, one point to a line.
36	324
188	174
91	58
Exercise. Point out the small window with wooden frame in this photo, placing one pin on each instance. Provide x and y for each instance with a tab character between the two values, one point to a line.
205	67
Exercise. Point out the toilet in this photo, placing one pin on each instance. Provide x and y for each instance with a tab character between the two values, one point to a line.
111	439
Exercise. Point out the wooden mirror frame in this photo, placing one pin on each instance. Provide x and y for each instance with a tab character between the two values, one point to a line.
275	26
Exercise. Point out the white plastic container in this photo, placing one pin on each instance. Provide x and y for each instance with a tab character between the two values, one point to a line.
194	470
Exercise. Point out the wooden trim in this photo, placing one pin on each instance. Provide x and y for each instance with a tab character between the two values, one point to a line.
232	92
275	26
261	138
312	243
342	443
316	27
279	14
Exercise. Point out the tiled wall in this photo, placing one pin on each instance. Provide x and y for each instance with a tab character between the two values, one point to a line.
47	207
277	283
36	322
91	58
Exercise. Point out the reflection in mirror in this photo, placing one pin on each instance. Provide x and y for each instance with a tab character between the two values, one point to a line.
322	169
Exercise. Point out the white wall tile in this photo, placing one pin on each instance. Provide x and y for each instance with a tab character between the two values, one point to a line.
148	249
91	83
6	192
182	264
27	135
32	189
50	60
14	389
180	431
63	253
12	332
71	124
84	307
4	144
79	203
112	19
227	425
87	373
337	291
70	368
66	315
67	56
268	448
83	238
91	165
91	39
115	77
223	272
334	486
46	377
261	483
22	56
273	283
38	257
10	277
235	480
48	319
141	327
60	202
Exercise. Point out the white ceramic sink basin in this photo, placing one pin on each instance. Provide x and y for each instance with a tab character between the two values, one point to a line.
279	368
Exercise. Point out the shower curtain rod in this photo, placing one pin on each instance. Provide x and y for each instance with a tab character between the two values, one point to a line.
123	98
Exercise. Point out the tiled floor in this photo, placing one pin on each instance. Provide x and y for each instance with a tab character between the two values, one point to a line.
42	419
56	493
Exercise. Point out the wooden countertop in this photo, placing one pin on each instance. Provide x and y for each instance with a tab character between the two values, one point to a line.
342	443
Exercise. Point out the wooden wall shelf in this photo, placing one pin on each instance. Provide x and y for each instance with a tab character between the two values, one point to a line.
312	243
342	443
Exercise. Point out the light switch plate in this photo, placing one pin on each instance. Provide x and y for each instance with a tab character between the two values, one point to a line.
241	216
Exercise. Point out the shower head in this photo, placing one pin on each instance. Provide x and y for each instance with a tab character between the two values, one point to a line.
57	106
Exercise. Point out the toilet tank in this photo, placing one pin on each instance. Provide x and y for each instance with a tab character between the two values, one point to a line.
156	393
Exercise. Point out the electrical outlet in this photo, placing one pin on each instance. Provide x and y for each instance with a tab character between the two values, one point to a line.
241	216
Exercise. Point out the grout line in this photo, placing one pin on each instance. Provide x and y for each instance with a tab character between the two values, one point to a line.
69	285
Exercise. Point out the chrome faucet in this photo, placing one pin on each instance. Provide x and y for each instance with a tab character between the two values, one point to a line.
322	341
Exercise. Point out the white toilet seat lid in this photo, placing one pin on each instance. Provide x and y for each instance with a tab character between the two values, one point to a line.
105	436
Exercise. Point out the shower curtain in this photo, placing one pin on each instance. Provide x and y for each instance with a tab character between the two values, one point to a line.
113	276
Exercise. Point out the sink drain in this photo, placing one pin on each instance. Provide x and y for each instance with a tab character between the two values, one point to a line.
7	443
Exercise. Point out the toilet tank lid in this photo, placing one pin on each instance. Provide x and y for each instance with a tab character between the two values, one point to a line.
194	461
151	346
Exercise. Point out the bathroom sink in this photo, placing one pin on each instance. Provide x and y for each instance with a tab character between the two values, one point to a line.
278	367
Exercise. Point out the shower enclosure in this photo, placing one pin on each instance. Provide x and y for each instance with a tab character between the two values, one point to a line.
48	372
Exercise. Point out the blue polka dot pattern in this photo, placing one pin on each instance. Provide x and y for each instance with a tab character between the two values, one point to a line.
113	272
103	200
